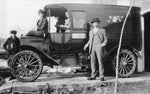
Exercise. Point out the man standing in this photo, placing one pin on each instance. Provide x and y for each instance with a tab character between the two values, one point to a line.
12	47
12	44
97	40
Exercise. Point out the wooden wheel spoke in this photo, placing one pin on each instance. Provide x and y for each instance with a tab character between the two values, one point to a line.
21	72
22	59
18	69
31	60
18	63
121	70
126	71
129	60
119	67
127	56
130	67
24	73
27	75
127	68
25	57
34	62
123	55
34	65
130	63
31	72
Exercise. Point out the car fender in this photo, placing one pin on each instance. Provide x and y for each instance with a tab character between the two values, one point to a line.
47	60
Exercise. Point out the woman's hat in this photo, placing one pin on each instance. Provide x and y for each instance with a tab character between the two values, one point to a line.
13	31
41	11
95	20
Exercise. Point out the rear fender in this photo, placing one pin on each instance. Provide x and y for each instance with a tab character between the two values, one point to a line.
114	50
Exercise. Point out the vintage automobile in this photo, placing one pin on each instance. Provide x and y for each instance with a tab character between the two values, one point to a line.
57	48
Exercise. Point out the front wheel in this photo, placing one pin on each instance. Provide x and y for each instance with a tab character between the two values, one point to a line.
26	66
127	63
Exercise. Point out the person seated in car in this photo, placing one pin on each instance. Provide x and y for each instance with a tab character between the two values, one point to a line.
66	26
42	22
42	25
60	21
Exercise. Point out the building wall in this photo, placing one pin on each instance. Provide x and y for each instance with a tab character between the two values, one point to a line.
144	4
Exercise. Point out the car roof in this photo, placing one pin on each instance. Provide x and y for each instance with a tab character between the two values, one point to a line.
60	9
69	6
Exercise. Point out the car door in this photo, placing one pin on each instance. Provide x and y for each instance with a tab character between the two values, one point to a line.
61	40
80	29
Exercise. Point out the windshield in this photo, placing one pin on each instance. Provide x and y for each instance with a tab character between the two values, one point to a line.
58	17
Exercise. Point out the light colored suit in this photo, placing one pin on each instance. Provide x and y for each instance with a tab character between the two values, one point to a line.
102	35
95	43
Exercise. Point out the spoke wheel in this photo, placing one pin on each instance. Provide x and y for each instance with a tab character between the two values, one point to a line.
127	63
26	66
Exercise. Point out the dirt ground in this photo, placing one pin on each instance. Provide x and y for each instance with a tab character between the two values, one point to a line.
64	81
77	84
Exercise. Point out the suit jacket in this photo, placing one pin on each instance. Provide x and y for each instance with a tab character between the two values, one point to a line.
42	25
102	35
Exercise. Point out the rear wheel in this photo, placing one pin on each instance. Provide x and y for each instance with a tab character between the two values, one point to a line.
127	63
26	66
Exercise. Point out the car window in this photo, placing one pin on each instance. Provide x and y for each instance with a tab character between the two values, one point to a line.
79	19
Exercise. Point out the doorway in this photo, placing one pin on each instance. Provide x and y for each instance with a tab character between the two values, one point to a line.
147	40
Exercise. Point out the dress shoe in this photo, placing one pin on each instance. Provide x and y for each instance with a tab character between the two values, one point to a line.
102	79
91	78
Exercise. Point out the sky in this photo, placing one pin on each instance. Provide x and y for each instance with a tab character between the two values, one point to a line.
21	15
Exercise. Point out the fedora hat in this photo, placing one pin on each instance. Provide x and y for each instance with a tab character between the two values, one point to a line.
13	31
95	20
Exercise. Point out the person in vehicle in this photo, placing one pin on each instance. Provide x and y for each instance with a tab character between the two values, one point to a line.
60	21
42	22
42	25
12	46
97	40
64	25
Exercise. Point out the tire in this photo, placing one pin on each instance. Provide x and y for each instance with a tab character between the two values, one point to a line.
26	66
127	63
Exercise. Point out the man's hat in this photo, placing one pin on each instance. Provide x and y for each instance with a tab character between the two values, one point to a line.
95	20
13	31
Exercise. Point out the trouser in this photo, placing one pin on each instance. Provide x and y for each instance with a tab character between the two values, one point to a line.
9	63
36	33
96	61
